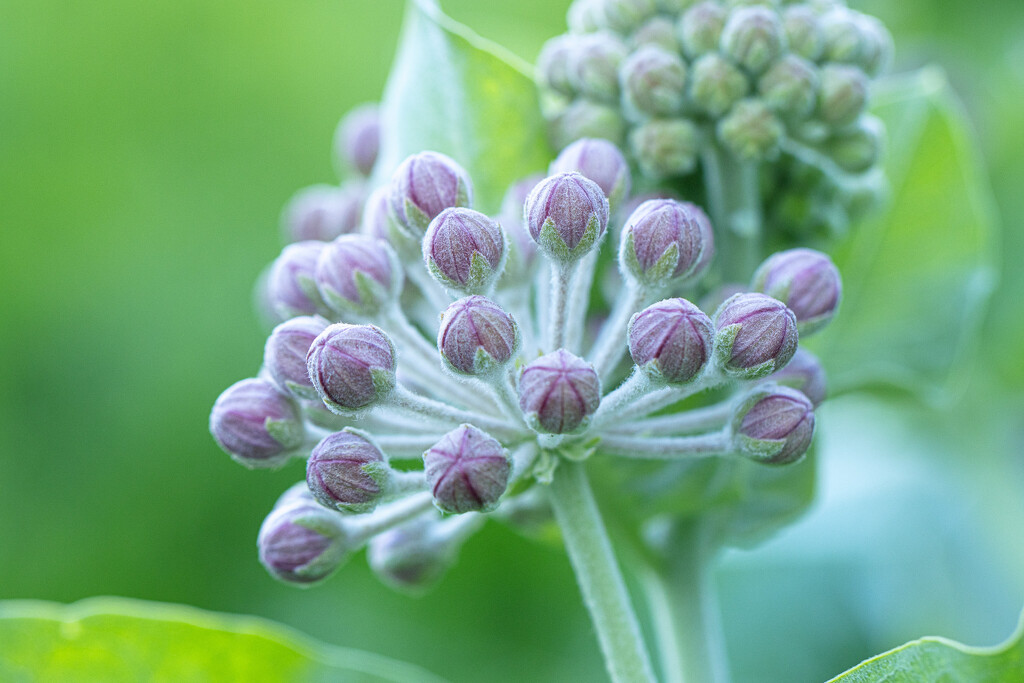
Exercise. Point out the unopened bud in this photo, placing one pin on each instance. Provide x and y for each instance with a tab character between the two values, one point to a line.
256	424
663	240
302	543
774	425
751	131
358	275
558	393
582	16
284	355
477	336
843	94
753	37
423	186
322	212
806	281
665	148
790	86
464	250
467	471
653	82
351	367
566	215
623	16
716	84
347	472
594	69
803	33
659	31
859	148
805	374
291	285
587	119
553	64
413	556
854	38
700	28
754	336
600	161
357	141
376	222
521	247
671	340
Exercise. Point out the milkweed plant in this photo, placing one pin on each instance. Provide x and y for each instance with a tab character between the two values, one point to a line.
621	337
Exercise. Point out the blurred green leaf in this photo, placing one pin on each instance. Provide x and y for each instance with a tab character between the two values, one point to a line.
114	639
454	92
917	277
940	659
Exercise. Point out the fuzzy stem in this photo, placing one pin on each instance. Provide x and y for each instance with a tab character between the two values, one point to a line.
660	398
403	398
518	300
500	384
579	301
598	575
561	276
404	483
365	527
638	384
684	608
403	446
709	417
611	343
734	200
668	447
434	294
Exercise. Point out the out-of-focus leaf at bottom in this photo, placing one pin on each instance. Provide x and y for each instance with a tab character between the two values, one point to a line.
116	639
940	659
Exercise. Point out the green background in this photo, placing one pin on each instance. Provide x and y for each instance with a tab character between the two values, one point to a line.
145	152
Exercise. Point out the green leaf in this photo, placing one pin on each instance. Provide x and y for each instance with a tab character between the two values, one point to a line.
454	92
918	276
940	659
116	639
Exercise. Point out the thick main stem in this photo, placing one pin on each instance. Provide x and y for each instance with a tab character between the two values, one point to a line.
598	574
734	200
684	608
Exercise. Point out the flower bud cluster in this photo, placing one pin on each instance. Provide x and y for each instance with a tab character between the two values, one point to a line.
432	365
756	80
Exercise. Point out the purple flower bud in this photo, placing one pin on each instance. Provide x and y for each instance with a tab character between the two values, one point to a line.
284	355
477	336
302	543
843	94
467	471
358	275
663	240
665	148
716	84
600	161
751	131
423	186
671	340
351	367
464	250
805	374
774	425
566	215
412	557
347	472
256	424
753	37
700	28
790	86
558	393
653	82
586	119
754	335
594	66
376	221
291	286
323	212
294	494
803	34
357	141
806	281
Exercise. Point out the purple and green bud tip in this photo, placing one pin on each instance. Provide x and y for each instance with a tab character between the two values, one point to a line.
653	82
423	186
464	250
257	424
302	543
566	215
700	28
284	355
753	37
806	281
665	240
357	142
773	425
558	393
347	472
291	285
376	220
754	336
351	367
467	471
671	341
322	212
477	337
359	275
600	161
594	66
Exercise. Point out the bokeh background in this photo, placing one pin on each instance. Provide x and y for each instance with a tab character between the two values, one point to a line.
146	150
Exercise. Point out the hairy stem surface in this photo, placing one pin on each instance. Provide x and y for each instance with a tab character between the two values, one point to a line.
734	200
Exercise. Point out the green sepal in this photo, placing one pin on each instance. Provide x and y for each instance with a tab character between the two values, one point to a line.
760	450
301	390
725	338
289	433
555	248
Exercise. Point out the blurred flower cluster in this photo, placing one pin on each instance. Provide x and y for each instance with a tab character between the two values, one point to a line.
434	364
676	81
